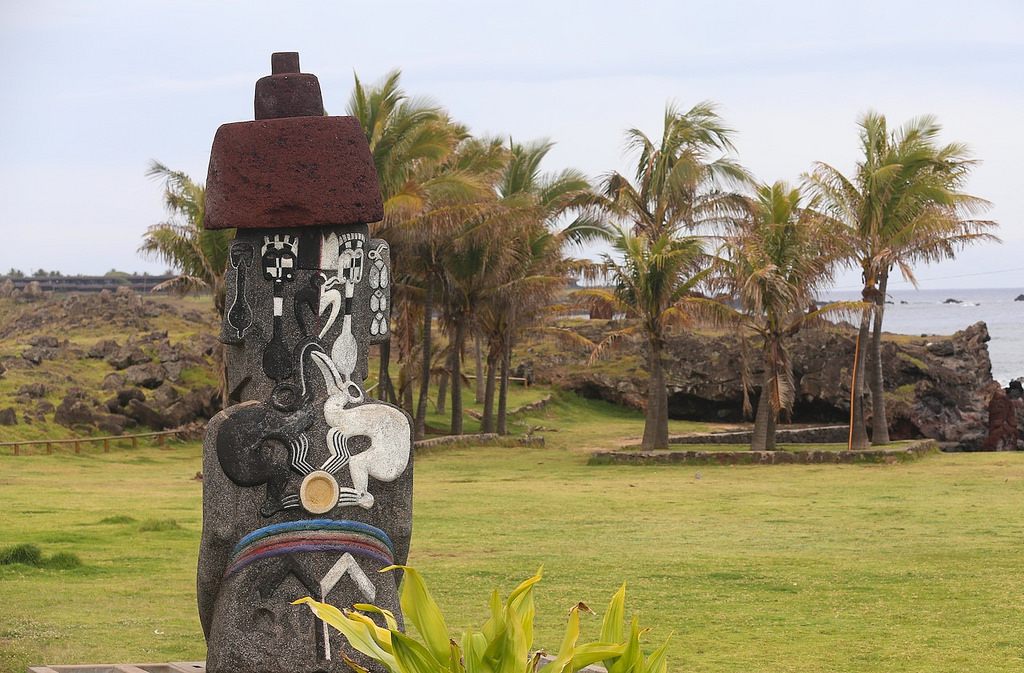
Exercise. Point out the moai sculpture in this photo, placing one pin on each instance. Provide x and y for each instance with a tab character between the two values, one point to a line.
307	481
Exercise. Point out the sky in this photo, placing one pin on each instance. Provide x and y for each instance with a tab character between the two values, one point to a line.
95	90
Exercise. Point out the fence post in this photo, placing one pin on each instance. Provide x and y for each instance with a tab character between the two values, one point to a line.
49	448
135	442
106	445
16	449
78	446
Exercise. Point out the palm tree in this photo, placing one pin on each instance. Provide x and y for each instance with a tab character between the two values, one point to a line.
653	282
410	140
459	208
904	205
774	263
535	250
678	182
199	256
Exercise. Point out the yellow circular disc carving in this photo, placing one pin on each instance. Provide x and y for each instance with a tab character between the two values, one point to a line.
319	492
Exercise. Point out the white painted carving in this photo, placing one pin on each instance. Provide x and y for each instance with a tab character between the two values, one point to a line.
387	428
343	255
380	280
347	564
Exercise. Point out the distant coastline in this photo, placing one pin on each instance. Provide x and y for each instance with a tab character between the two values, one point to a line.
924	312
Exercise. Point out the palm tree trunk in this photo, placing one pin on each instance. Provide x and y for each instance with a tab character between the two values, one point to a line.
656	421
442	388
879	420
478	361
420	422
506	365
858	430
385	388
763	438
456	374
487	422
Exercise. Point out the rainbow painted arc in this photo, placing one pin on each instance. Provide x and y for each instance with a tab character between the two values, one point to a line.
314	535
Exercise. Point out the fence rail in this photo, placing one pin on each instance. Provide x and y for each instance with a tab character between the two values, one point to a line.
78	441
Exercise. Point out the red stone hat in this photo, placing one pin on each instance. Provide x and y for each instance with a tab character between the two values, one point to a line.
292	166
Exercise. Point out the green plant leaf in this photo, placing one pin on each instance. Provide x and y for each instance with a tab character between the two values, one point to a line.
521	602
572	633
455	661
413	657
658	661
382	636
389	618
419	607
474	645
611	627
628	661
497	621
591	653
356	632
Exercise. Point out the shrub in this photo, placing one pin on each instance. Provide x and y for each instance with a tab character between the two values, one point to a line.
26	554
158	525
31	555
503	644
63	560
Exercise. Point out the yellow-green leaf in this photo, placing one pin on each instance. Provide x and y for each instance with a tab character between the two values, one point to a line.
382	636
496	623
419	607
627	661
413	657
474	645
356	632
521	602
658	661
611	627
591	653
389	618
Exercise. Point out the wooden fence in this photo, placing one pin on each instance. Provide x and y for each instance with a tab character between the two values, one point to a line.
78	441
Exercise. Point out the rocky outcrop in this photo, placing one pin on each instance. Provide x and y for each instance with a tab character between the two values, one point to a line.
145	368
934	386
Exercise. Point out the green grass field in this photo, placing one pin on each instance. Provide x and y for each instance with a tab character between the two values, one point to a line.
905	567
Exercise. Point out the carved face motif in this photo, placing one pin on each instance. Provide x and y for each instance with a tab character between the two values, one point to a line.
280	258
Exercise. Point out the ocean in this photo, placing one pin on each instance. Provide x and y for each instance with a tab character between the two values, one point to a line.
924	312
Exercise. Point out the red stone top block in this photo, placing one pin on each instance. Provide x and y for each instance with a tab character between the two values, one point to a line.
292	167
287	92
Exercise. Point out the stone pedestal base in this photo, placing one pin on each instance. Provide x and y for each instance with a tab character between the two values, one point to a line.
174	667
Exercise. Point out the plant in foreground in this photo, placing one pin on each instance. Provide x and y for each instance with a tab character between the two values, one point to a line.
503	644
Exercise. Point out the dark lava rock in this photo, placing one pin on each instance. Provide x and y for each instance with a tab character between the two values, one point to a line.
126	356
36	354
75	409
43	341
8	416
112	424
934	389
33	390
112	381
103	349
149	375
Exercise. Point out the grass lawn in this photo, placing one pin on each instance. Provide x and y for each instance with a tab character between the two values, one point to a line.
905	567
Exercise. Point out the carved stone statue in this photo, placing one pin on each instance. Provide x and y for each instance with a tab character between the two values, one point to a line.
307	480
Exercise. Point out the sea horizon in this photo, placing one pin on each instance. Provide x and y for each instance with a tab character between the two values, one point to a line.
928	313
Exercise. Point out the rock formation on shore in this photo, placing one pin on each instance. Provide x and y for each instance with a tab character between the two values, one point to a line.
934	385
134	377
